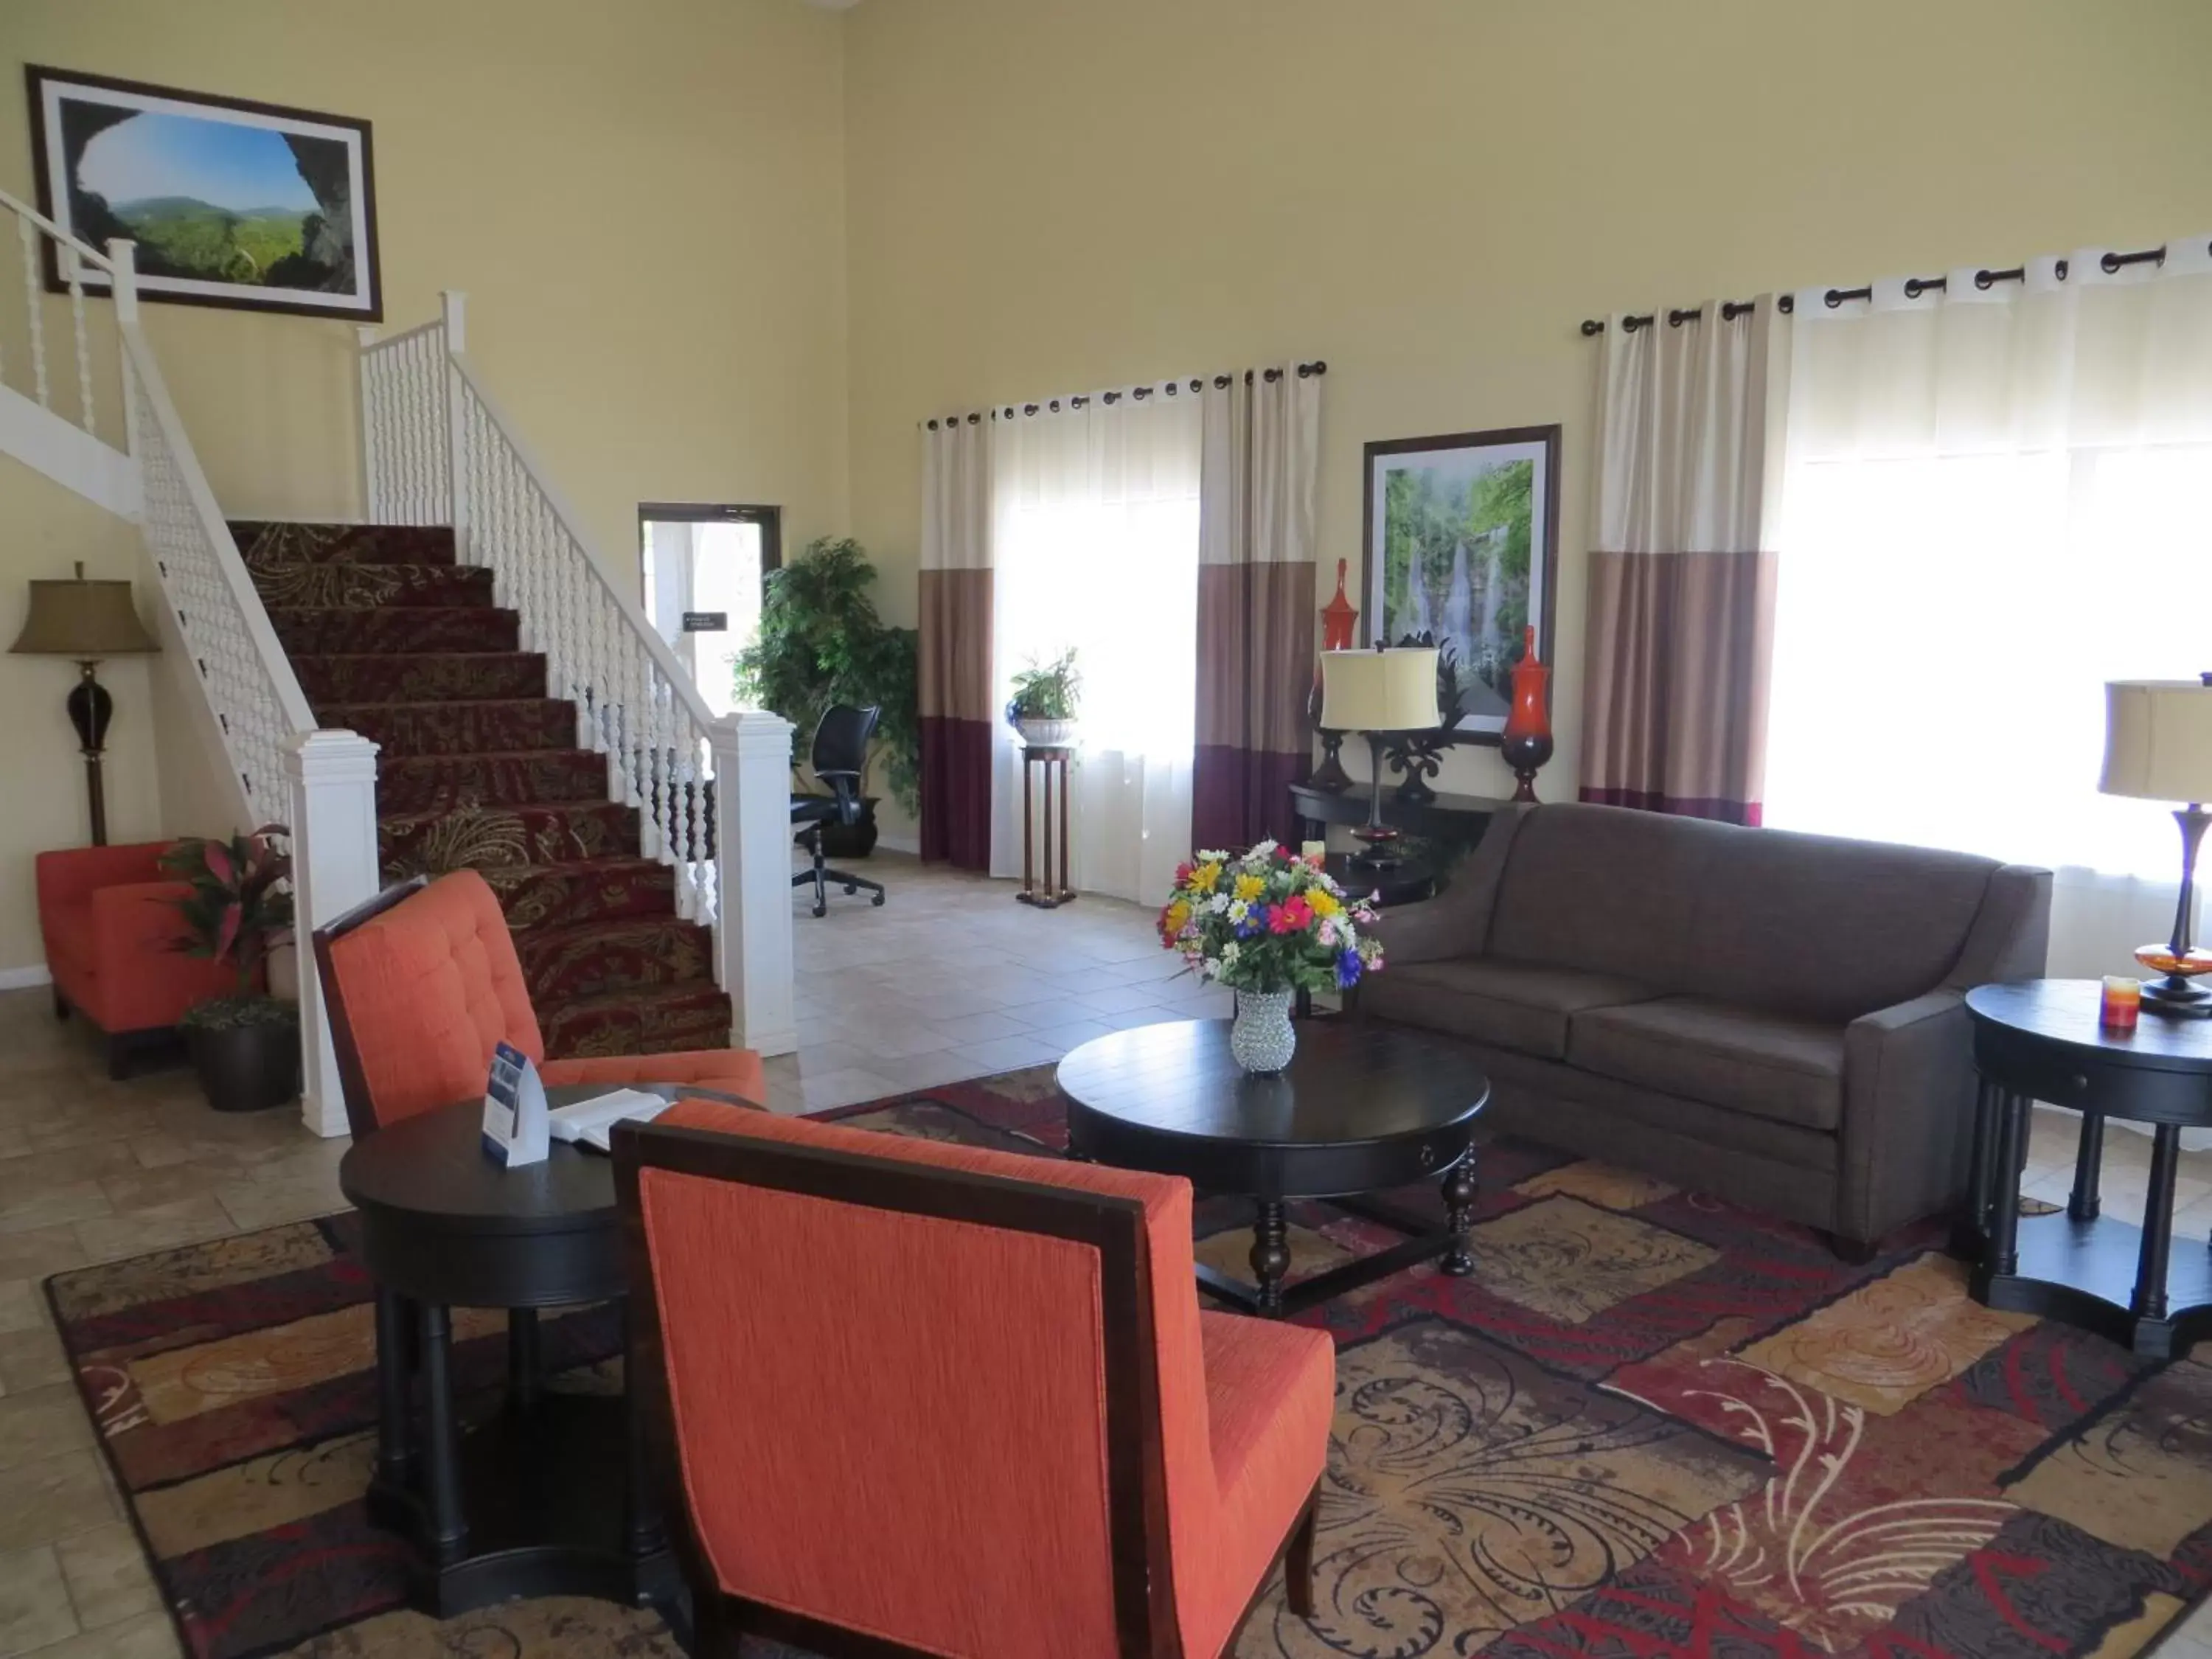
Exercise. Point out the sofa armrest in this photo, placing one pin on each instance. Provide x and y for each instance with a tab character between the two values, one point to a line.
2010	937
1456	922
70	875
1908	1113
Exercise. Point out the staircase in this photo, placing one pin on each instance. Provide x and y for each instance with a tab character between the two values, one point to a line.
479	769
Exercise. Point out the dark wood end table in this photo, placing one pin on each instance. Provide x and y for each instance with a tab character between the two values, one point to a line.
1055	889
1361	1109
551	1497
2040	1040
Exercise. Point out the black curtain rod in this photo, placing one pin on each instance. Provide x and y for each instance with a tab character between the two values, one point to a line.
1136	394
1914	287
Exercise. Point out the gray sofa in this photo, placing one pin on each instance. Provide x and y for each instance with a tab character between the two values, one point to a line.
1772	1017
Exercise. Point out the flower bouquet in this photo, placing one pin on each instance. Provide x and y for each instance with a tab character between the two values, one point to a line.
1268	924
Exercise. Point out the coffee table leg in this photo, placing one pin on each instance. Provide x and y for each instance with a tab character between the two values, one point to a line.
1459	1215
448	1528
2158	1224
643	1531
1271	1256
525	1367
2083	1204
2001	1254
395	1451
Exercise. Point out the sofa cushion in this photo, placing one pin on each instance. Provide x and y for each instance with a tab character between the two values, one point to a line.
1521	1005
1811	925
1770	1066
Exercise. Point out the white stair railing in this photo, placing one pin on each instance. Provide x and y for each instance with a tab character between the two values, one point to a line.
51	415
713	796
280	768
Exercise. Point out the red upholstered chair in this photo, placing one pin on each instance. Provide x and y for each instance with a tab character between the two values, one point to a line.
109	919
422	983
956	1401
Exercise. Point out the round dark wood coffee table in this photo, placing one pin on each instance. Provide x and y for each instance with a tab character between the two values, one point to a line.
550	1497
1362	1108
2040	1040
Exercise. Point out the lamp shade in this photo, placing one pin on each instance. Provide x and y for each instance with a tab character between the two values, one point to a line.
83	619
2158	739
1379	690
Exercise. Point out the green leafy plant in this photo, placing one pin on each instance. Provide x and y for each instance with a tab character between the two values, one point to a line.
821	642
237	908
1046	693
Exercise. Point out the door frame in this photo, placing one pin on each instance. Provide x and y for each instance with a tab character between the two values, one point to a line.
768	518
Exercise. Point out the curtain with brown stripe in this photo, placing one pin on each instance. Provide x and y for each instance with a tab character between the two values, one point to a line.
957	633
1255	602
1681	579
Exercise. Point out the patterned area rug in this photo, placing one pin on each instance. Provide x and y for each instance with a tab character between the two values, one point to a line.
480	770
1650	1424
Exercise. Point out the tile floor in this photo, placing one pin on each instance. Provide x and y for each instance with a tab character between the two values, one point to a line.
951	979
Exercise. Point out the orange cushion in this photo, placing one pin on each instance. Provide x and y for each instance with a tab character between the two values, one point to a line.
726	1071
1270	1405
429	988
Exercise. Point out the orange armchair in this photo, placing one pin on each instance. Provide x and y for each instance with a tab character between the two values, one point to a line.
112	936
422	983
958	1401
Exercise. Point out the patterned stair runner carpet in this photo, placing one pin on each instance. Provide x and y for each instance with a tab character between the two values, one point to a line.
481	769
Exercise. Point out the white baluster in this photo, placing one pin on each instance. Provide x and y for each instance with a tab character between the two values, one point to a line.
31	288
70	265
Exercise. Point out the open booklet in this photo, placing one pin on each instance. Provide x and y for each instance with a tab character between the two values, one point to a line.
590	1122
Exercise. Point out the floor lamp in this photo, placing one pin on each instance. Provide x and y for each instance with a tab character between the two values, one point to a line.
86	620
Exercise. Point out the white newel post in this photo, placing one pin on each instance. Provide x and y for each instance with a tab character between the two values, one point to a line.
334	867
752	866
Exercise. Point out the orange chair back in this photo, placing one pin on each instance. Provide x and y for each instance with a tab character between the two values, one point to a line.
951	1398
422	983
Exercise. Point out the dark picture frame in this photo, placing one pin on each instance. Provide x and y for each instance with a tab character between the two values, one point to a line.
173	170
1461	536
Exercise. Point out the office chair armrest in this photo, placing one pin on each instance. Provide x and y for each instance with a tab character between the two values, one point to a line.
845	787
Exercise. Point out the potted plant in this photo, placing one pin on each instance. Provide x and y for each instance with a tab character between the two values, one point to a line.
821	642
1044	701
1267	924
244	1047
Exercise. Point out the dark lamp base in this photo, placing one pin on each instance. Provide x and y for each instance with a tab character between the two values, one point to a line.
2176	999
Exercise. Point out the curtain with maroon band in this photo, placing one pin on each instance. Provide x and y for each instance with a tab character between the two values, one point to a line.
1681	579
956	630
1255	602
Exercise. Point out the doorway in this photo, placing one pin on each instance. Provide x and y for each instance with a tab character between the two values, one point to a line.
704	568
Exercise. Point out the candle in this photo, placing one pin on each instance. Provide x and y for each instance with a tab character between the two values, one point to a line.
1313	852
2123	1003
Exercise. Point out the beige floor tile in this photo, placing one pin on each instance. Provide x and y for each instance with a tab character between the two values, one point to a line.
40	1252
81	1201
32	1359
148	1636
252	1205
22	1305
56	1497
34	1601
928	1071
39	1423
1008	1054
162	1227
108	1579
1073	1035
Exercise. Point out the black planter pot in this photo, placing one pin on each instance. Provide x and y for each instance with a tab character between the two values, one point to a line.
856	840
246	1068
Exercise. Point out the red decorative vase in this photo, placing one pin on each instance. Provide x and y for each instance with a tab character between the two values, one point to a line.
1337	619
1527	743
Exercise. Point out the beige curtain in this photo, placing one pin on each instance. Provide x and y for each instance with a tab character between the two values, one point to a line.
1256	602
956	644
1682	575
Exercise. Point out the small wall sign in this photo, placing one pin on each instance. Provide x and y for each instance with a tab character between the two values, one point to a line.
706	621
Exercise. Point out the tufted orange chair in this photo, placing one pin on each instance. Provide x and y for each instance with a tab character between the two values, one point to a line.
958	1402
422	983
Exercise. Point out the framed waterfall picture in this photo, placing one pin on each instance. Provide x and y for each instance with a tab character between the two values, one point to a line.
250	205
1462	552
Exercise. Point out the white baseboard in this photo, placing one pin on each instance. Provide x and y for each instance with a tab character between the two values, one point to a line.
25	979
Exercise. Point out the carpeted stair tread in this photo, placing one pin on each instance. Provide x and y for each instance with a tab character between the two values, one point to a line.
480	769
667	1020
472	837
420	676
320	631
520	777
459	728
273	541
600	959
375	586
585	890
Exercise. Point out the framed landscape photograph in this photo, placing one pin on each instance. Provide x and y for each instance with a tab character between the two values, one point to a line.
230	203
1463	551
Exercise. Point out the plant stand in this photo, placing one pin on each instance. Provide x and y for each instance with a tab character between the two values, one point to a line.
1055	889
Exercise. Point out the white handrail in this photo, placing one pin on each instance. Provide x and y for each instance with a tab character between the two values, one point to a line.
84	251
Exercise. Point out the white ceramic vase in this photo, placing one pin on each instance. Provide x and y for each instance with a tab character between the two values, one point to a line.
1261	1035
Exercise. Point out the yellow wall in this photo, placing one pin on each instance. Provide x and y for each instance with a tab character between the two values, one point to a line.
1051	195
644	202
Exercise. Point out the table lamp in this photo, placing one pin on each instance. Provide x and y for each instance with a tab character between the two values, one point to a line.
86	620
1382	693
2158	746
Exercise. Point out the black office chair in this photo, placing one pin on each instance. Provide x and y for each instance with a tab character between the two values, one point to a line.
841	750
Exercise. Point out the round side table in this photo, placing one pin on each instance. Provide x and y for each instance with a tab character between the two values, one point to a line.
551	1497
2040	1040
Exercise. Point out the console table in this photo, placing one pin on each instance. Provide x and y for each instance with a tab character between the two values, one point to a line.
2040	1040
1458	820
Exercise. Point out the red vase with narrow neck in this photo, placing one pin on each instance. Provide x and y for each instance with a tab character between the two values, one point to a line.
1526	744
